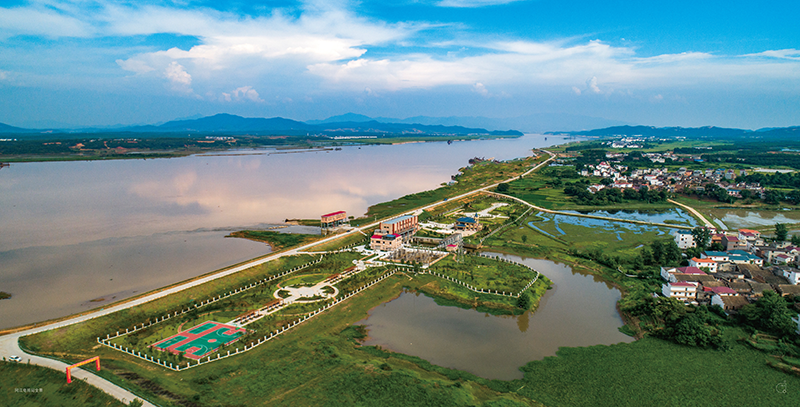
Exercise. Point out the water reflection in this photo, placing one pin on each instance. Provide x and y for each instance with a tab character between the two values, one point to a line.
576	312
65	224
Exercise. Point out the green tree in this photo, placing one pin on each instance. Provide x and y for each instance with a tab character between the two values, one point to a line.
672	253
716	247
502	188
770	313
796	240
781	232
524	238
772	197
658	252
524	301
136	403
701	235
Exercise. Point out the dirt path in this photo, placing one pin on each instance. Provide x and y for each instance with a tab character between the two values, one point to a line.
695	213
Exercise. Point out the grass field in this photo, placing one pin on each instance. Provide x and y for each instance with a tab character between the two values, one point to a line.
29	385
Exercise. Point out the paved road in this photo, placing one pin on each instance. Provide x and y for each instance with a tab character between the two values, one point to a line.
9	343
695	212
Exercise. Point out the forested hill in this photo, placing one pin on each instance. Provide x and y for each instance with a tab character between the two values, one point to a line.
227	124
709	133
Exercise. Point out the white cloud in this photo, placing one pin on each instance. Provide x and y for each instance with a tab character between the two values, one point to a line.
472	3
591	84
480	89
180	80
246	92
576	90
45	20
791	54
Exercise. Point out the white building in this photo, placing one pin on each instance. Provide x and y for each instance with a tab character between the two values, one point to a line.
792	275
684	239
711	265
685	291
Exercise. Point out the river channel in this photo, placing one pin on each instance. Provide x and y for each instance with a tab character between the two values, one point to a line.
78	235
580	310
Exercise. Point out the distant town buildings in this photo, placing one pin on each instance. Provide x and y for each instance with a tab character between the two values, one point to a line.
734	278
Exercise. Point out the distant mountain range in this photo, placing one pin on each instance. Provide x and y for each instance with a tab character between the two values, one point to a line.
232	124
532	123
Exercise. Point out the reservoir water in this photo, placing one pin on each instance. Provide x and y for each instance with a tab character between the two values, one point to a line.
580	310
76	235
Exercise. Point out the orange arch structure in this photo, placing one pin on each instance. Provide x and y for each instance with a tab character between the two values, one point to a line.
95	359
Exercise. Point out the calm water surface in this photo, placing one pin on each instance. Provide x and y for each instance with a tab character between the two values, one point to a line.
579	311
73	232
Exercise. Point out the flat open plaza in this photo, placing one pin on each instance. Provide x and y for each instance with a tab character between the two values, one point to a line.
200	340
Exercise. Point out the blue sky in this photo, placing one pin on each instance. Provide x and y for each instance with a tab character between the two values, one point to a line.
678	63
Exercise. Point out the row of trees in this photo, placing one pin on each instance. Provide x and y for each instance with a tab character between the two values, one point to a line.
612	195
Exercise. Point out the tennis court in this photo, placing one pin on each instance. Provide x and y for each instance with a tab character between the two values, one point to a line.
200	340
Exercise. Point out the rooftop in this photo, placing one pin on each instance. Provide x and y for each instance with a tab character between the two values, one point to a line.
690	270
398	219
333	214
466	220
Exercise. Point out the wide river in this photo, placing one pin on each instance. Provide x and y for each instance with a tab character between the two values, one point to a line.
77	235
580	310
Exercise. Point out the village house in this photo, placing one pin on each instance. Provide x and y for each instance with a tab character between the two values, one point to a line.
684	239
730	304
708	264
671	274
683	291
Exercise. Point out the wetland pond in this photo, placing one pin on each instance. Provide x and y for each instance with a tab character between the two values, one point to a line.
580	310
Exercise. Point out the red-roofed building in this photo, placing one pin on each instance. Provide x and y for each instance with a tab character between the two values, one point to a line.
722	291
671	273
690	270
387	242
332	220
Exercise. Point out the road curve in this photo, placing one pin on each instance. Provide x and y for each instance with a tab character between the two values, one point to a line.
695	213
9	343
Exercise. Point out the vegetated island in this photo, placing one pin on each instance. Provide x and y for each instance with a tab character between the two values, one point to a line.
674	337
276	240
4	295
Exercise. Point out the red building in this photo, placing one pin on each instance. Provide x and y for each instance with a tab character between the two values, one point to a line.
334	219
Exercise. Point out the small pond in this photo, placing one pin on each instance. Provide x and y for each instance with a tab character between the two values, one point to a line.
580	310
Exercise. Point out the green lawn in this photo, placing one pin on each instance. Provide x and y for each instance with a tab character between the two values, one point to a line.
30	385
653	372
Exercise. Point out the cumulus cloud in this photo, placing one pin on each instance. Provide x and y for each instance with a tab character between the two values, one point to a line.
179	79
480	89
241	93
325	45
